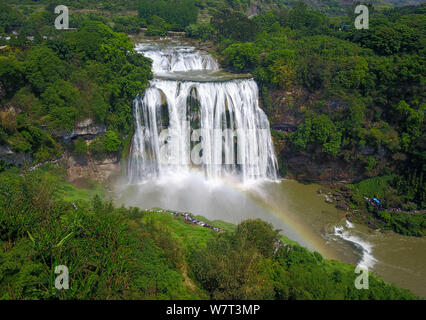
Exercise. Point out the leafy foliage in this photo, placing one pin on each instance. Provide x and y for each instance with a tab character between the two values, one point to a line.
200	31
241	56
234	25
179	13
356	95
92	73
242	265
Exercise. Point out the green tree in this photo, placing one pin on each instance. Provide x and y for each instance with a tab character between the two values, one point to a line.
180	13
10	18
234	25
61	104
257	234
302	136
241	56
43	67
157	27
200	31
11	74
80	147
325	132
112	142
411	122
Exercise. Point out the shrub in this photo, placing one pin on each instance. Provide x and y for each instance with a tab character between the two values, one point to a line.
80	147
200	31
241	56
157	27
112	142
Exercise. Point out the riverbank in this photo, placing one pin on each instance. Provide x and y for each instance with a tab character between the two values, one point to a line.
154	254
380	214
299	210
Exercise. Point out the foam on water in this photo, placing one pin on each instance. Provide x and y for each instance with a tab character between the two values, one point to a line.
367	259
166	59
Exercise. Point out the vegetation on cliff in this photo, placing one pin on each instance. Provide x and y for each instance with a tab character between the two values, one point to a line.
356	95
47	86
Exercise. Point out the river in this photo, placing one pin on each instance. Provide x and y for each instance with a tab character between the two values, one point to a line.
250	188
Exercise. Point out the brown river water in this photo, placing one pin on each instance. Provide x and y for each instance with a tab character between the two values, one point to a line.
302	215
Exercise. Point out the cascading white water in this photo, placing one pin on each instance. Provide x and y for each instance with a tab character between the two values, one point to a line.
176	58
216	127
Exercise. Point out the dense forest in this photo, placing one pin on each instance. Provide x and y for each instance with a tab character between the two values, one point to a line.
353	96
48	86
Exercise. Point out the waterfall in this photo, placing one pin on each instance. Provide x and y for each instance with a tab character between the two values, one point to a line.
216	127
176	58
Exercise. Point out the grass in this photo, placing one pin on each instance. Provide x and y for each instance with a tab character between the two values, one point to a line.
371	187
56	175
404	223
191	235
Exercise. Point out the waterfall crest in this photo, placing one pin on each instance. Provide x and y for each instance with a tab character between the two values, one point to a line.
166	59
215	127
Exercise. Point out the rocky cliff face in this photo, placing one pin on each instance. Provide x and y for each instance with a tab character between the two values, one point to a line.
77	168
286	112
85	129
90	169
303	166
87	168
13	158
312	165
